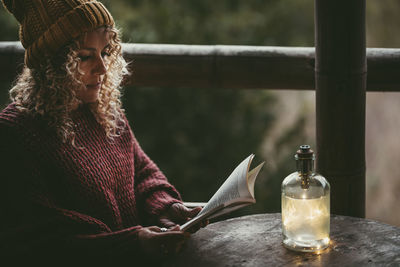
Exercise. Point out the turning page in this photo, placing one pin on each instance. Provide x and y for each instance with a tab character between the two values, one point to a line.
237	191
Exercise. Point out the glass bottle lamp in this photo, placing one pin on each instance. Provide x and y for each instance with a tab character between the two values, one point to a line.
305	206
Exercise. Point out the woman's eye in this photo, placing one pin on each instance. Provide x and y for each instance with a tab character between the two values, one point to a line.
84	58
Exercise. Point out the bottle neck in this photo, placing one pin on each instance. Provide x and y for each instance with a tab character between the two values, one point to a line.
305	168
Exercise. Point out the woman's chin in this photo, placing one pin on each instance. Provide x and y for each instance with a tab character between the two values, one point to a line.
89	99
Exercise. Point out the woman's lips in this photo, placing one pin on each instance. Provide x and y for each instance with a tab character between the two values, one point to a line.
95	86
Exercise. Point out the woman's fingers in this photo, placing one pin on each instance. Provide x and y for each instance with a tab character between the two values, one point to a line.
166	222
177	214
193	212
175	228
171	241
153	228
157	241
187	212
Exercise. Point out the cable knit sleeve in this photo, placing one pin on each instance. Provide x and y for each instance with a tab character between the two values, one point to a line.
153	191
34	226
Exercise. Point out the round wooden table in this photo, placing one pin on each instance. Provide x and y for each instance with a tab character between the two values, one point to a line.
256	240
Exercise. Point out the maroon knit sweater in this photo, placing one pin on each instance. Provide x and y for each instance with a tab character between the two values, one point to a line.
67	200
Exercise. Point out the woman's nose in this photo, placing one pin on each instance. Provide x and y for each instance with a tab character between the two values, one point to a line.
100	67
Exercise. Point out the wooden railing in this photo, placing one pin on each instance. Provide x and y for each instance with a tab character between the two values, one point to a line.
223	66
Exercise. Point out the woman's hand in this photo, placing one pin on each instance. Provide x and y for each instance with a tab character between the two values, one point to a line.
160	242
178	213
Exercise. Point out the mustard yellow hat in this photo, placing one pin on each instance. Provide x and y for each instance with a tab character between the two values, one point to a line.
48	25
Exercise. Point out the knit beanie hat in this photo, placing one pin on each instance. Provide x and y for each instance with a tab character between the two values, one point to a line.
48	25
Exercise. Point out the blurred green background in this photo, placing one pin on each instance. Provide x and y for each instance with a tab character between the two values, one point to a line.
197	136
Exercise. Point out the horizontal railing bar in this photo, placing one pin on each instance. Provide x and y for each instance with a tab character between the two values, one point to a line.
226	66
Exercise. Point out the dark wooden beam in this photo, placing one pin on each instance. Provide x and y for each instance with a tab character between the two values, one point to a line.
221	66
11	60
341	79
226	66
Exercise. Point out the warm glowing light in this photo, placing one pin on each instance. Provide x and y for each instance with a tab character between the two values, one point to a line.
306	220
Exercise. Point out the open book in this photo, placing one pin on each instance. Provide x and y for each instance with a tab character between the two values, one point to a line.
236	192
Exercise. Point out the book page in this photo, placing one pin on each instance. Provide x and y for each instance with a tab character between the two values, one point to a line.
234	190
240	202
251	178
233	187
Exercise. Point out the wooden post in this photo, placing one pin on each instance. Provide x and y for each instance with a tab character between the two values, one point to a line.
340	79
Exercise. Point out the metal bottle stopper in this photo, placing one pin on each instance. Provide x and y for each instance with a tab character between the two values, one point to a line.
305	164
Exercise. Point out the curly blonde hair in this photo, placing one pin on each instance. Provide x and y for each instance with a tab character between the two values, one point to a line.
50	90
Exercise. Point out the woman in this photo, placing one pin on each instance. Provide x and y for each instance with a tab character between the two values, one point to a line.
75	180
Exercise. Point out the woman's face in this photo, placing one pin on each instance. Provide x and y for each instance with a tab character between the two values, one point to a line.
92	53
